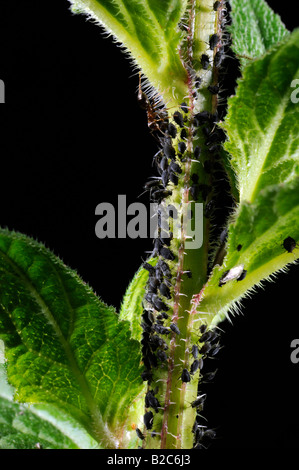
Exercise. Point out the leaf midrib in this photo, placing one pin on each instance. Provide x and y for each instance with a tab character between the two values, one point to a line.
249	188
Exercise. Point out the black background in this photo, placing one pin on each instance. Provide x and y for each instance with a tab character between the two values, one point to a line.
72	136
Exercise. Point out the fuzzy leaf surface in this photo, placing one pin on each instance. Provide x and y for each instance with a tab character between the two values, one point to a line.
255	242
262	123
148	30
40	426
64	346
255	29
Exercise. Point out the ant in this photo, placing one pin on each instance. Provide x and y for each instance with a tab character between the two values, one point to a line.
157	118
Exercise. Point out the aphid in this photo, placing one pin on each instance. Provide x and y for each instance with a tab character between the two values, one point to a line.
172	130
239	247
178	118
213	41
164	315
174	178
185	377
159	304
199	401
231	274
148	419
149	359
194	366
152	184
174	328
214	89
243	275
164	268
149	268
164	163
203	116
209	376
181	147
160	194
162	330
151	401
209	434
139	434
203	328
205	348
289	244
216	6
175	166
206	336
167	254
157	246
194	351
184	107
162	356
214	335
217	136
146	375
151	288
148	317
153	282
223	237
146	327
205	61
214	350
219	57
197	152
197	82
168	150
165	291
183	134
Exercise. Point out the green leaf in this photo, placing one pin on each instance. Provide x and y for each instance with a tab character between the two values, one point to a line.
64	346
40	426
255	244
34	427
255	29
147	29
262	123
131	308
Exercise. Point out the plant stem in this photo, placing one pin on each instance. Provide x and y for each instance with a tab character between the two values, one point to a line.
178	416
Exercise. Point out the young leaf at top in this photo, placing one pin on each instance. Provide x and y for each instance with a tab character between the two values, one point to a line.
148	30
64	346
263	121
255	29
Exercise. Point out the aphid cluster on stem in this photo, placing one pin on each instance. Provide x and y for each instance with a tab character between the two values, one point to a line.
186	163
206	349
